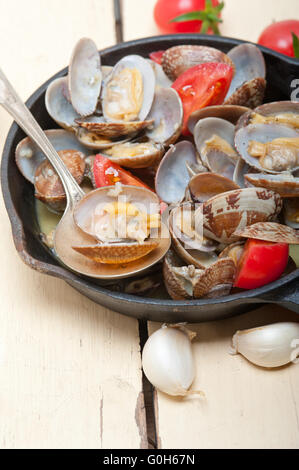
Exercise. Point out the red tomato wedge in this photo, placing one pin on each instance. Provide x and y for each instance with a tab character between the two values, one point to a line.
156	56
261	263
203	85
107	173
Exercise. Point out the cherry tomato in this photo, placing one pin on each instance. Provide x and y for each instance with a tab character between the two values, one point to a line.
203	85
107	173
156	56
167	10
278	36
261	262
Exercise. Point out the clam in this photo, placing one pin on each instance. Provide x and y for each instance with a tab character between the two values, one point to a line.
230	113
203	186
58	106
270	148
128	92
233	251
167	115
214	139
187	282
284	184
241	169
135	154
291	212
111	130
178	59
47	184
248	84
29	156
94	141
279	112
271	232
125	224
172	176
225	213
161	78
85	77
189	244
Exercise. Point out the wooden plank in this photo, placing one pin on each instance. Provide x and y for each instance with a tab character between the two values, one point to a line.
245	406
70	369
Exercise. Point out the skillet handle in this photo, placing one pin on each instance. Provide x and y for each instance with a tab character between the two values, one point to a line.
287	296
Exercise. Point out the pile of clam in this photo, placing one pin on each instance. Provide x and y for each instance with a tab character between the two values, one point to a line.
236	177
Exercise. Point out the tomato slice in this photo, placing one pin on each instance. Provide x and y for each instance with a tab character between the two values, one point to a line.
156	56
107	173
203	85
261	263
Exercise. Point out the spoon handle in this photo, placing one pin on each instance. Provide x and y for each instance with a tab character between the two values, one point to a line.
12	103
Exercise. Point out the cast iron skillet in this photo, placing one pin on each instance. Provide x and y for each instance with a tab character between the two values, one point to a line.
19	201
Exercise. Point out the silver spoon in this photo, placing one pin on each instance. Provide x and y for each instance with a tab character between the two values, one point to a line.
67	233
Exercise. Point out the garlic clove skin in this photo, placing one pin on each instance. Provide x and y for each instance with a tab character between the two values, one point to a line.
268	346
167	360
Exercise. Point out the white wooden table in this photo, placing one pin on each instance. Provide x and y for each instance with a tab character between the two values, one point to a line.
70	370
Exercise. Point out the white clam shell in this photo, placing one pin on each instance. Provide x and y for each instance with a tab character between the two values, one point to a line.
58	106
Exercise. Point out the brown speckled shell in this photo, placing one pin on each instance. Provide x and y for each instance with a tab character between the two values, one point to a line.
217	280
284	187
48	187
112	130
178	59
225	213
250	94
117	253
271	232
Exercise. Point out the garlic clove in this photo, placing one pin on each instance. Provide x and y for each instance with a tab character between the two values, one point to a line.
268	346
168	362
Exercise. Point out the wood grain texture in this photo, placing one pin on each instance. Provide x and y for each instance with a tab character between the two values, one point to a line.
245	406
70	369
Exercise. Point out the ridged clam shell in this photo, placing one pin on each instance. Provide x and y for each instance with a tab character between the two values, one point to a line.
217	280
250	65
250	94
85	77
178	59
120	253
48	186
203	186
172	176
112	130
96	142
261	133
58	106
227	212
167	115
271	232
230	113
29	156
284	184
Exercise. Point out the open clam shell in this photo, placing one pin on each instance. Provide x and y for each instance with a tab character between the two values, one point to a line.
248	84
283	112
167	115
94	141
172	176
47	184
58	106
161	78
178	59
85	77
227	212
129	98
284	184
135	154
231	113
203	186
271	232
214	139
29	156
187	282
263	133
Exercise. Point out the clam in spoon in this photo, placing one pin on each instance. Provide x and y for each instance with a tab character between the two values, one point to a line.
67	233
